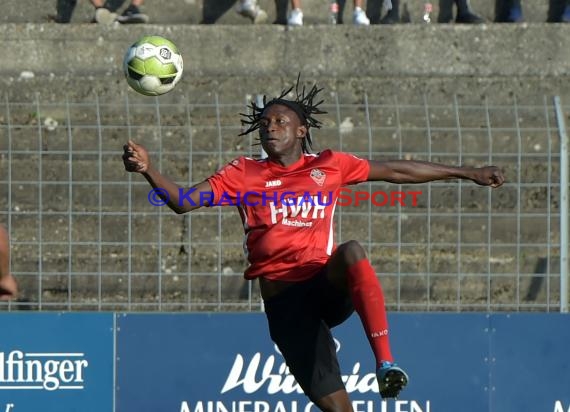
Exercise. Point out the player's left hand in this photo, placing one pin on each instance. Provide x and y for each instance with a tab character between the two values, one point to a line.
8	287
489	176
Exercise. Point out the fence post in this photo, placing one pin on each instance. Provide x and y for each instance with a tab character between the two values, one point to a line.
563	205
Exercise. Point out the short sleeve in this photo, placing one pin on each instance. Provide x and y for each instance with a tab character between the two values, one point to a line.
353	169
228	182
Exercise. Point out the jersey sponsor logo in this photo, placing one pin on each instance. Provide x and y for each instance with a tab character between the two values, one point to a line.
273	183
305	207
318	176
296	223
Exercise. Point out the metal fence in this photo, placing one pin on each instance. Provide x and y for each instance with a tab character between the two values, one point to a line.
84	236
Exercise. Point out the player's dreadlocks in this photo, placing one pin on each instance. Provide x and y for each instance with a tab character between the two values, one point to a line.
303	106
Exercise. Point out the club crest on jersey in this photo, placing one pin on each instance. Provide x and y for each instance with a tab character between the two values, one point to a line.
318	176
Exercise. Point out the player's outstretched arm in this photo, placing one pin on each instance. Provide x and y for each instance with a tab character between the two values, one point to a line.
412	171
181	200
8	285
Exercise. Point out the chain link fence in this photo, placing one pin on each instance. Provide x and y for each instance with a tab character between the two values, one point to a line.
84	236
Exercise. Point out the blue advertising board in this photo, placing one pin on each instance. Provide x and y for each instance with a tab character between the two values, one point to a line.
227	362
530	369
446	357
93	362
56	362
198	362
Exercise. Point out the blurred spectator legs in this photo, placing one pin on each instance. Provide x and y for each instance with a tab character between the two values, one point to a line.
296	14
464	12
64	9
508	11
104	12
558	11
393	14
251	10
132	14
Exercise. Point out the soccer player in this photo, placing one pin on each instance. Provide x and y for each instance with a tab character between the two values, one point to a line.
308	283
8	285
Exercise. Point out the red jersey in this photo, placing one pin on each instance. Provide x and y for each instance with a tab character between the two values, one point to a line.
287	212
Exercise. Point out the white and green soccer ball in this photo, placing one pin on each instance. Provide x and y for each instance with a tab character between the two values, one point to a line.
153	65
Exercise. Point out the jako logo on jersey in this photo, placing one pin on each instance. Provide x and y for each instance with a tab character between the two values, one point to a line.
273	183
318	176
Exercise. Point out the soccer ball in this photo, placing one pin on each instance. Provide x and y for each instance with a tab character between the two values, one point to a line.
153	65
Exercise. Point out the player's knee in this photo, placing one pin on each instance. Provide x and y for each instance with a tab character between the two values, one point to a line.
335	402
352	252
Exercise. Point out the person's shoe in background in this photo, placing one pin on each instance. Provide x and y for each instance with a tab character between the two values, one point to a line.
295	18
132	15
104	16
359	17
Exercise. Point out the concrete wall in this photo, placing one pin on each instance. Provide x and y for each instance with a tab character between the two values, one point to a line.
234	56
490	59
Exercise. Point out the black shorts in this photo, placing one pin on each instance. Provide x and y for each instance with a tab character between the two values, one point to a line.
299	320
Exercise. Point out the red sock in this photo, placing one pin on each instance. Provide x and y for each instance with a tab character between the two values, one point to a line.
368	300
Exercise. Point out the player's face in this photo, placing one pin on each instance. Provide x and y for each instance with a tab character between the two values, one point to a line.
281	131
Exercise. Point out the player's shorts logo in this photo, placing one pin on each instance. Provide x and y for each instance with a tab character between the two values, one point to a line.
318	176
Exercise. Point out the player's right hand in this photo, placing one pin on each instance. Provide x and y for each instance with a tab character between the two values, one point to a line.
8	287
135	158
